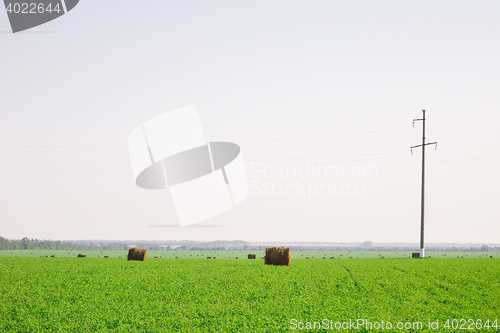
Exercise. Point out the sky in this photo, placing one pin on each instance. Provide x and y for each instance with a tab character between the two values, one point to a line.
319	95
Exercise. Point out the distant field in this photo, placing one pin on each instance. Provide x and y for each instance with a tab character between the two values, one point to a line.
244	254
200	295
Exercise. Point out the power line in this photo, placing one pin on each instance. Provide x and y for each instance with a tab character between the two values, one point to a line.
246	168
351	161
474	143
466	166
326	136
253	160
240	141
418	114
477	158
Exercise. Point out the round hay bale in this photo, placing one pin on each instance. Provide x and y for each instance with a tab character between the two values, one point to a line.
136	254
278	256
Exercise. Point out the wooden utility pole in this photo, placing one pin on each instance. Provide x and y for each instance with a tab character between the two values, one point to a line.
422	201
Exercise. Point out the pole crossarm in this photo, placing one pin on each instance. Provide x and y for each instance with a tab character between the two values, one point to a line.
430	143
414	120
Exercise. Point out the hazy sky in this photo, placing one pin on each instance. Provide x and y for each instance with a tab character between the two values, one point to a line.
283	79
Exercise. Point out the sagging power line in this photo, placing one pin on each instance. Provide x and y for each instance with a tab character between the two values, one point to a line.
239	141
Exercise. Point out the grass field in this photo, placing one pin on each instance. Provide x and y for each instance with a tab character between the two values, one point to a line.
200	295
244	254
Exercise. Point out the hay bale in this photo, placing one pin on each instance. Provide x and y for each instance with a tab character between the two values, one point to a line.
136	254
209	257
277	256
106	256
332	257
252	256
82	256
415	255
236	258
53	256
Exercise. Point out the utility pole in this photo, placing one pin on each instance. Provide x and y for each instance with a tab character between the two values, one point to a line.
422	202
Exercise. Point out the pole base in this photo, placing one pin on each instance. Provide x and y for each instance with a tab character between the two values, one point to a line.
422	253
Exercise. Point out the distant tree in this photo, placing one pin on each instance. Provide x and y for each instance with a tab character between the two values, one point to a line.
25	243
150	247
367	244
484	248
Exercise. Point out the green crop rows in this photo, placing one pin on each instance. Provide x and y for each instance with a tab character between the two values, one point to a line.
200	295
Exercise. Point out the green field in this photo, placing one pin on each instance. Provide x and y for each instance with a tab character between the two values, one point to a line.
244	254
200	295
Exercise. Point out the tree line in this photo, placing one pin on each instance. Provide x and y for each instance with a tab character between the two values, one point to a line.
36	244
